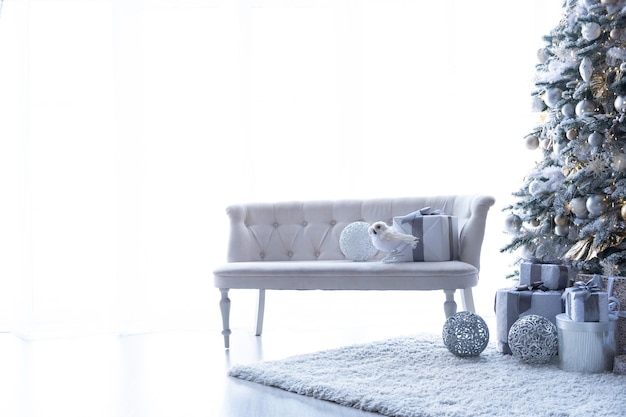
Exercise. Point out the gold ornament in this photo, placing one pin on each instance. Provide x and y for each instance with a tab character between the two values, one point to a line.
598	85
561	220
581	250
623	212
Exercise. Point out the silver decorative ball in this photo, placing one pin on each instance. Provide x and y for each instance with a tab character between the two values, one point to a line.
578	206
596	205
591	31
568	110
465	334
512	223
596	139
585	108
534	339
552	96
532	142
355	242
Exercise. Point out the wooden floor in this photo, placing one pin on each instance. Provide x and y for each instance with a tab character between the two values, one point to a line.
182	373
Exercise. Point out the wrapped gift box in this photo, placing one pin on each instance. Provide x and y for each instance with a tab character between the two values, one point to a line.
586	302
615	287
586	346
553	276
438	237
513	303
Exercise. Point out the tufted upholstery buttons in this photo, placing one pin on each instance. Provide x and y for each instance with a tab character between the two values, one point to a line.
333	222
317	254
304	223
262	255
290	254
275	224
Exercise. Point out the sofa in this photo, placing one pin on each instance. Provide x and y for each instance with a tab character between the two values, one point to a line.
295	245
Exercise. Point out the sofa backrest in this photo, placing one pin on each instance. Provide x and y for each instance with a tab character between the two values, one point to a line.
310	230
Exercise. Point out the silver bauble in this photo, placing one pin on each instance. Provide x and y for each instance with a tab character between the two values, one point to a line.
623	212
585	108
532	142
512	223
578	206
535	187
568	110
586	69
561	230
620	104
591	31
561	220
571	134
552	96
596	205
596	139
608	2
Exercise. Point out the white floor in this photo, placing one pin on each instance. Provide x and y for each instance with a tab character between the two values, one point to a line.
182	373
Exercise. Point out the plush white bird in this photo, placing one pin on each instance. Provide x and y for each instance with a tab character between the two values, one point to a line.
389	239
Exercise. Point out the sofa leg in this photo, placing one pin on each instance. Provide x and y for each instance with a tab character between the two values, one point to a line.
449	306
467	300
260	309
225	309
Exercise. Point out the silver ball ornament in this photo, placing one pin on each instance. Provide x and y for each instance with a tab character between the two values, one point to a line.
534	339
552	96
619	162
596	139
620	104
585	108
568	110
561	220
622	212
532	142
465	334
355	242
596	205
513	223
571	134
578	206
561	230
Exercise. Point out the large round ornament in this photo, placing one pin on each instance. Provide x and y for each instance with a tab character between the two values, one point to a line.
465	334
355	242
619	162
513	223
596	139
623	212
578	206
552	96
532	142
561	220
561	230
534	339
596	205
585	108
568	110
571	134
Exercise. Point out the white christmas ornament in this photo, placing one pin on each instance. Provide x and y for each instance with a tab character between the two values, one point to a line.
586	69
596	139
568	110
596	205
585	108
532	142
578	206
591	31
552	96
355	242
512	223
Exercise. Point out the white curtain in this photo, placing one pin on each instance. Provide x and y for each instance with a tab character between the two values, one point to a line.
127	126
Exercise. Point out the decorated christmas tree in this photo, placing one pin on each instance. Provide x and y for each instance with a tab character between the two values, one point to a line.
571	207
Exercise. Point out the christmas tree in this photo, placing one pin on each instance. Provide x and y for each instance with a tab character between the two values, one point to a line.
571	207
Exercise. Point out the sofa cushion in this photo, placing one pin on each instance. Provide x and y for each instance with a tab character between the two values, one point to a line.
346	275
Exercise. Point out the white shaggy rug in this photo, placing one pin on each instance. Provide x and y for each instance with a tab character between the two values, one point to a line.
418	377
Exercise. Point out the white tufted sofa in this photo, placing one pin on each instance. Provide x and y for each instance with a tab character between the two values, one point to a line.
295	246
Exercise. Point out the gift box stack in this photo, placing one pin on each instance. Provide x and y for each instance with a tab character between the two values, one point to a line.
587	330
540	292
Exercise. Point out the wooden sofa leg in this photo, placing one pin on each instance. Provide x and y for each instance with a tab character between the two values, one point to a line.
467	300
449	306
260	309
225	309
